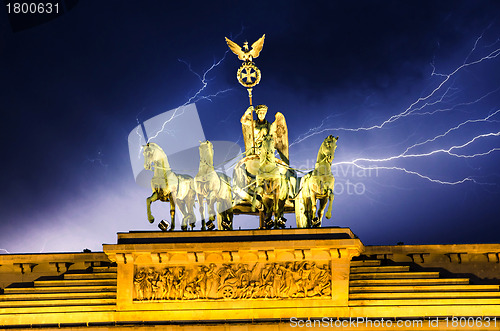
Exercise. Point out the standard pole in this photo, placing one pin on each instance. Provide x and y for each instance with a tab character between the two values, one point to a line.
253	123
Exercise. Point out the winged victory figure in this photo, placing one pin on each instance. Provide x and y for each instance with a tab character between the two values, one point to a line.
278	130
244	53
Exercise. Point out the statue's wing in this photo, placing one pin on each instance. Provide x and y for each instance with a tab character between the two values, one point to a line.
235	48
247	136
279	132
257	47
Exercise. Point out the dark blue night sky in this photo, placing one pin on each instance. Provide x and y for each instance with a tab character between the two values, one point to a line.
400	82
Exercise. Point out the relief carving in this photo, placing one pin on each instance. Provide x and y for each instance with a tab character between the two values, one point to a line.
233	281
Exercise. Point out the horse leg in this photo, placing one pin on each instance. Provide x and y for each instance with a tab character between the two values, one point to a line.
211	211
315	221
226	203
230	214
221	215
263	210
281	220
330	199
262	220
276	204
201	204
283	195
269	203
268	212
172	212
307	197
190	208
308	210
256	197
321	210
276	198
182	207
225	212
149	200
300	212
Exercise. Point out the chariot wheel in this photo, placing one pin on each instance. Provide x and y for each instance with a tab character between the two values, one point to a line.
227	292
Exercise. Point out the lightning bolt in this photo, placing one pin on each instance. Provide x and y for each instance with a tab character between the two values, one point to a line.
43	246
446	151
179	111
410	172
486	119
140	125
411	109
420	107
140	142
457	105
197	96
4	250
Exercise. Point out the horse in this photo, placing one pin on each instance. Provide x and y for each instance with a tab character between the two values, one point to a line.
168	186
214	188
317	185
271	186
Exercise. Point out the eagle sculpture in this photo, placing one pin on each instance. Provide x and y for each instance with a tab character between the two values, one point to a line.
244	53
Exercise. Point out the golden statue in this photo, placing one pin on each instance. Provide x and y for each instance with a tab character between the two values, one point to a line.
248	74
262	128
262	183
317	185
253	183
170	187
272	186
214	188
265	182
244	53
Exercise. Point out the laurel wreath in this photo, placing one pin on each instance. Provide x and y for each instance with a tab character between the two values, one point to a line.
249	66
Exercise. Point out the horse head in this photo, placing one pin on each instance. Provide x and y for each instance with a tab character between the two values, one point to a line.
152	153
206	152
327	149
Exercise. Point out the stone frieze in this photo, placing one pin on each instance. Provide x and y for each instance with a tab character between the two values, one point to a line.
284	280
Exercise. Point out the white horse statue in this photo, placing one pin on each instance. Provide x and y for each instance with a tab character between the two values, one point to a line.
214	188
168	186
317	185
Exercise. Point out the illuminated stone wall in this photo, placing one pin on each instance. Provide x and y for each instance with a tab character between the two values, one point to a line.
262	279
